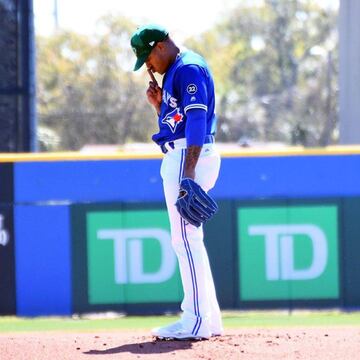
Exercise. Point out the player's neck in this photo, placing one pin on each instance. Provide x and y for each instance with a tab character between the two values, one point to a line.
174	54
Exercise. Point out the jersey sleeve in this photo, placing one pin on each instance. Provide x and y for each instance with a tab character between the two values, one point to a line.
191	80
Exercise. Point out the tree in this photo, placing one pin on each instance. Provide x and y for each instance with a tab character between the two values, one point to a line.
86	91
277	68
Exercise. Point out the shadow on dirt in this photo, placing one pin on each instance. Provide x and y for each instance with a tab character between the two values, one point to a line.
148	347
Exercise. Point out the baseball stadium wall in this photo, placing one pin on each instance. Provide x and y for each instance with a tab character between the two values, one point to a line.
87	233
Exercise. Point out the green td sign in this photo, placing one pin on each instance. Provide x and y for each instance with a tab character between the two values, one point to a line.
130	258
288	252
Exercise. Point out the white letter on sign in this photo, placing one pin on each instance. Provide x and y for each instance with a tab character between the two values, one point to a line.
129	265
279	250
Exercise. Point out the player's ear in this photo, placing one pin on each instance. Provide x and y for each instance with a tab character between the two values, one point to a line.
161	45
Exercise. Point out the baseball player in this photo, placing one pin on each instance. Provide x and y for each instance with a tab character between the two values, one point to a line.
185	104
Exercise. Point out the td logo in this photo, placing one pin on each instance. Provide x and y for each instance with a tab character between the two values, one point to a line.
279	250
288	252
130	269
130	258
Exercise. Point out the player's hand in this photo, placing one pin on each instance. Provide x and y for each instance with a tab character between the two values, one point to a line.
154	95
154	92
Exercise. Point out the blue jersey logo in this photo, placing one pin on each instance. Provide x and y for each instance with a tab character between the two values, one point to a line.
172	119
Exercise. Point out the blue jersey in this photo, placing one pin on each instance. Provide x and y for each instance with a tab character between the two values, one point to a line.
187	84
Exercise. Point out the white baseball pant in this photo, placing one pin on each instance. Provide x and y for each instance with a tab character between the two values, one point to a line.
200	306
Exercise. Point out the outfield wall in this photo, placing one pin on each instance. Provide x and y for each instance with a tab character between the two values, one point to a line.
83	233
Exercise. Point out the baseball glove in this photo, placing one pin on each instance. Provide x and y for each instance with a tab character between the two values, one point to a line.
194	204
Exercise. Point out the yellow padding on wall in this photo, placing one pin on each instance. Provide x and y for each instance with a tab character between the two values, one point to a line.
121	155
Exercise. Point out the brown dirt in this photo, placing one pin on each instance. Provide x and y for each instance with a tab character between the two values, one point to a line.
334	343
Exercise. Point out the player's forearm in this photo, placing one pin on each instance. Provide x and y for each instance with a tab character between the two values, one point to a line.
191	159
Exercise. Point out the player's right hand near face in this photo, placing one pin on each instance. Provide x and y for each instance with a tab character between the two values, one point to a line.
154	93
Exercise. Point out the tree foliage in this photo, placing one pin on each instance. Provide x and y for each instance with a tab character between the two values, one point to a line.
84	92
275	67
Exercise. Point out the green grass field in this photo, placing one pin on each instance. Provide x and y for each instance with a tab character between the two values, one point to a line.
231	320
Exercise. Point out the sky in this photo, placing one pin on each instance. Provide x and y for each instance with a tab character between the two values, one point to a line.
182	18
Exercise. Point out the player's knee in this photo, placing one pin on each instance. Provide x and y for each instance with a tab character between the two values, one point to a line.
177	244
182	243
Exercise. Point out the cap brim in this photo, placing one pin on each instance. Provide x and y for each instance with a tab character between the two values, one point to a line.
140	62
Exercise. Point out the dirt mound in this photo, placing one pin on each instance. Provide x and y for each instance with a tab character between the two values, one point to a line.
335	343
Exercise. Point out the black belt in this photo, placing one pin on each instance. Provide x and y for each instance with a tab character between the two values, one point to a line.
209	139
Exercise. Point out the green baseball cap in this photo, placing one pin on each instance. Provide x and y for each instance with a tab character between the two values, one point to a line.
144	40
